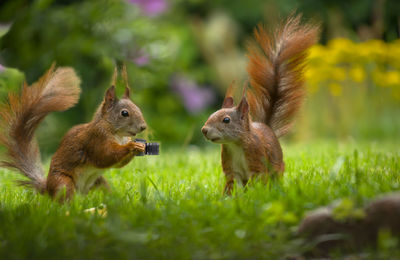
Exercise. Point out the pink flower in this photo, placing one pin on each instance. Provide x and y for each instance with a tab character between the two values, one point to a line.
142	59
195	98
151	7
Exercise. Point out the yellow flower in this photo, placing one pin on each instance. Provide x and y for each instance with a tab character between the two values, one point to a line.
341	50
312	80
341	44
374	50
343	61
338	74
308	73
316	52
392	78
357	74
386	79
335	89
393	49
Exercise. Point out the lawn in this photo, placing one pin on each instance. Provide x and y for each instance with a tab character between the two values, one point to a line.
171	206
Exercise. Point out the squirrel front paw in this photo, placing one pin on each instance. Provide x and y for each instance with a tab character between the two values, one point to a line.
137	148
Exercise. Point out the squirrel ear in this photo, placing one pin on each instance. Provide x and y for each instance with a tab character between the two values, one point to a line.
228	102
127	93
243	108
110	98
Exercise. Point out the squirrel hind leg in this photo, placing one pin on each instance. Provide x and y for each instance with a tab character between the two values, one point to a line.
229	185
60	187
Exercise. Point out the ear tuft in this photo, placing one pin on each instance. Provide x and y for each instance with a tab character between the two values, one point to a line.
228	102
243	108
127	93
110	97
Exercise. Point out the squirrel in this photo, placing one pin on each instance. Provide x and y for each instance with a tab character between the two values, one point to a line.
85	151
249	132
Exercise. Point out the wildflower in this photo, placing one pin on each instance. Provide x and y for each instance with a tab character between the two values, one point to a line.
343	62
338	74
394	51
341	50
317	52
392	78
376	50
151	7
311	75
141	59
357	74
195	98
335	89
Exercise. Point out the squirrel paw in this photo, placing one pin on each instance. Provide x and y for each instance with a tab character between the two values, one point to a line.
137	148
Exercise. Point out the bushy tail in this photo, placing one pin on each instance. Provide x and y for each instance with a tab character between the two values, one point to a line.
276	65
57	90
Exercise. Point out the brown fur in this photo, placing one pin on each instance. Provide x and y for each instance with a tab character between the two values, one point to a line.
250	146
276	66
84	151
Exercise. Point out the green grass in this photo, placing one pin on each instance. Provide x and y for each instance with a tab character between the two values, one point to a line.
171	206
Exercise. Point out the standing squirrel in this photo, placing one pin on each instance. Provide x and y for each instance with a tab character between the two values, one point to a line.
85	151
249	132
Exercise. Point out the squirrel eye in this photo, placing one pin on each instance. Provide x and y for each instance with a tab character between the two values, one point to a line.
226	120
124	113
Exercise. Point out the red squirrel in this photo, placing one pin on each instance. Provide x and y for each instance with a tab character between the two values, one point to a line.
85	151
249	132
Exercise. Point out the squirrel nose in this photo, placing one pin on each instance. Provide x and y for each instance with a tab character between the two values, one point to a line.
204	130
143	127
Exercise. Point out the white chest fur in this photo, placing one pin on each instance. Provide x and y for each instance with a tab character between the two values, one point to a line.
86	176
239	163
122	139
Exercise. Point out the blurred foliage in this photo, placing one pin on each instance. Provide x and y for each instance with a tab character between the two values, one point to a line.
181	55
92	36
341	18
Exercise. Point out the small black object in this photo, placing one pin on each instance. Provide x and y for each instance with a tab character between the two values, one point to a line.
151	148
